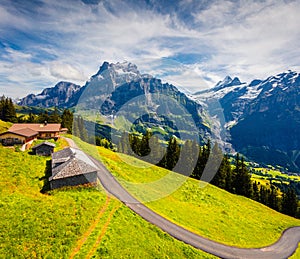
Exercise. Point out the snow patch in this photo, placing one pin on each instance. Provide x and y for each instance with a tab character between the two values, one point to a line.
41	97
252	93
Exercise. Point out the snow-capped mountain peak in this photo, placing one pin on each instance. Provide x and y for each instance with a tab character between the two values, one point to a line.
119	68
226	82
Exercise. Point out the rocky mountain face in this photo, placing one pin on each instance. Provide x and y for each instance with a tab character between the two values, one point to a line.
120	90
59	95
261	119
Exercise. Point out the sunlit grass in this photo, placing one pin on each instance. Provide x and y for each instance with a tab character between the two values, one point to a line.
4	126
209	211
50	225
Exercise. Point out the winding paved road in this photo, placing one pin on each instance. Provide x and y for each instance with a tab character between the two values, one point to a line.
283	248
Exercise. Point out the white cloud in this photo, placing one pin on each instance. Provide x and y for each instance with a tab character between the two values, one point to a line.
245	38
66	72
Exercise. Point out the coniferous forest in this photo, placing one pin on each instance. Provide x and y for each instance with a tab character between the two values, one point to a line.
232	175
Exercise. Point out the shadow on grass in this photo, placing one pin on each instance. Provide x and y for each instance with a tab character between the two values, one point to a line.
46	186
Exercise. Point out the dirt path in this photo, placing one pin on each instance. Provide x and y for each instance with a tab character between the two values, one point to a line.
91	228
104	229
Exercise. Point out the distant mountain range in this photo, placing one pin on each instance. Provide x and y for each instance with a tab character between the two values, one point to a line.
263	117
62	94
260	119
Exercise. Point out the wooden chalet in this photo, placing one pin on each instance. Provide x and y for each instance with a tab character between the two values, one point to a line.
21	133
19	136
72	167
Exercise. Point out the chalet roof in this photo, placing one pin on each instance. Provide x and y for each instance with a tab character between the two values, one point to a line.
64	153
25	132
70	162
72	167
38	127
44	143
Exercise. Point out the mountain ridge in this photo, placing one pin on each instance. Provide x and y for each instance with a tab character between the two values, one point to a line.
256	118
262	117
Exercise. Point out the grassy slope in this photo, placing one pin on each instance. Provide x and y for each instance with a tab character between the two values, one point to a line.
209	211
4	126
36	225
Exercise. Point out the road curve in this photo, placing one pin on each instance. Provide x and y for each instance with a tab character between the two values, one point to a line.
283	248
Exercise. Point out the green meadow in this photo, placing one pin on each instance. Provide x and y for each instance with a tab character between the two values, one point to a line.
71	222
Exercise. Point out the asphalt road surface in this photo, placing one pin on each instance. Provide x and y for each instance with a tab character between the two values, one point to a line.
283	248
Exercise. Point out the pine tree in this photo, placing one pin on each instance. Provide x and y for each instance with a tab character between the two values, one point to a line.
55	117
242	178
255	195
263	195
228	178
82	130
7	110
67	120
156	151
220	177
135	146
31	118
197	172
123	144
273	201
43	117
172	155
75	127
289	202
144	149
204	153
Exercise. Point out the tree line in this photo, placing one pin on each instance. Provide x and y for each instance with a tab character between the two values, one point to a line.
8	113
232	176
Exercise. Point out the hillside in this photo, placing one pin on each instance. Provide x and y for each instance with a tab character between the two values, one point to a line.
80	222
71	223
209	211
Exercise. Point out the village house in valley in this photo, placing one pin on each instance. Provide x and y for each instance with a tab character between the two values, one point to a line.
22	133
72	167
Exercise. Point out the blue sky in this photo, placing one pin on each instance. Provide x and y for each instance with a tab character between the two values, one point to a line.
189	43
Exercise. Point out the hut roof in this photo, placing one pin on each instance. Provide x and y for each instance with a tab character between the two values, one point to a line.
44	143
71	162
25	132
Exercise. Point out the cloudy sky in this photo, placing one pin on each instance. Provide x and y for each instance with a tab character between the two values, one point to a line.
190	43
